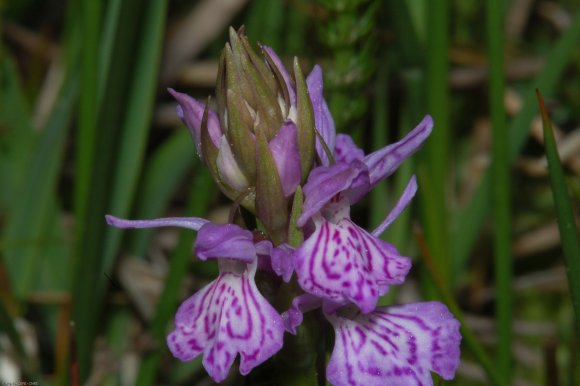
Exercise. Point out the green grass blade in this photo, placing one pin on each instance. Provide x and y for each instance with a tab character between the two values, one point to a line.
31	210
471	218
265	22
501	188
136	123
88	106
17	138
127	100
435	166
564	212
201	196
111	25
398	14
163	173
378	204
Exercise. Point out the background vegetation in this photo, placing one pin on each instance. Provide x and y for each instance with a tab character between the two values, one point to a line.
87	128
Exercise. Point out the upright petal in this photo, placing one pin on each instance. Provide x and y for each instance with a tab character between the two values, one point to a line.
395	346
322	117
343	263
227	317
284	149
382	163
190	111
346	150
404	200
226	241
325	182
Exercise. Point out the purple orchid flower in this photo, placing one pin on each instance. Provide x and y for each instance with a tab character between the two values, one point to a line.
341	266
396	345
229	315
272	139
341	262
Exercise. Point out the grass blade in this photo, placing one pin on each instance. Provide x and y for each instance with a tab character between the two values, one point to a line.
88	107
564	212
433	176
472	217
32	209
500	170
163	174
136	123
128	97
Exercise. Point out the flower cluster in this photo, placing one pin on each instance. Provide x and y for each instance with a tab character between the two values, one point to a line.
271	147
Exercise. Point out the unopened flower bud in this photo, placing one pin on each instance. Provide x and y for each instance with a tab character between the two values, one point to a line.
261	143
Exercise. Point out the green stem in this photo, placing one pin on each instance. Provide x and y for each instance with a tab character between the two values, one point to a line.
436	167
501	184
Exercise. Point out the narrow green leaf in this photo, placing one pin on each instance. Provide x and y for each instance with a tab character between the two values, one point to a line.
501	188
471	218
270	201
263	86
17	137
564	212
436	155
88	107
306	133
265	22
31	210
123	122
295	234
259	64
236	80
221	87
162	175
243	145
136	121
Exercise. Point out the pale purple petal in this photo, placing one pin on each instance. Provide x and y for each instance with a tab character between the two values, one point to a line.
287	79
346	150
325	182
190	111
284	149
229	171
322	117
404	200
282	261
264	247
295	314
396	346
343	263
194	223
227	317
382	163
225	241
